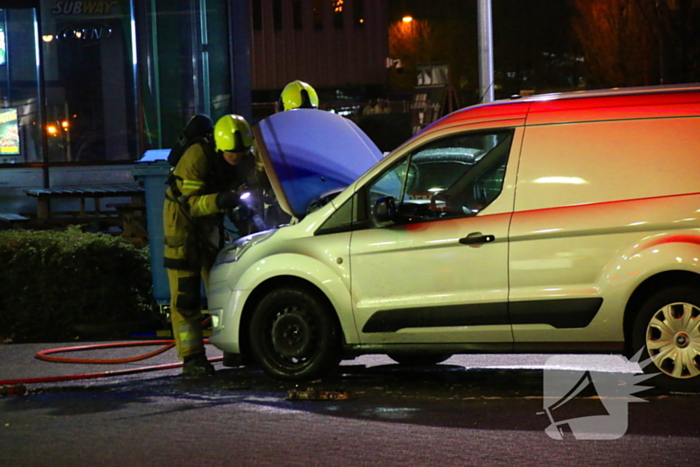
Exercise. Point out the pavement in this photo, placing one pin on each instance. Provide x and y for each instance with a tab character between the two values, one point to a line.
471	410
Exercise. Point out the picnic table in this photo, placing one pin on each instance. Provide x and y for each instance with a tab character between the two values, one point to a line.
49	216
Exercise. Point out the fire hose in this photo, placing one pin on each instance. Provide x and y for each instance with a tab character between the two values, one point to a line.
17	386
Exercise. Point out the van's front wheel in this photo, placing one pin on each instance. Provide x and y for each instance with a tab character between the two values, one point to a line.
294	335
667	329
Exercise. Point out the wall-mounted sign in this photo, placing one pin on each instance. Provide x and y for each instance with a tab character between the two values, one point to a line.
83	8
84	33
433	74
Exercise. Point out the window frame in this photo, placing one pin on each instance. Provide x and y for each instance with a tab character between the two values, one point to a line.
481	167
361	210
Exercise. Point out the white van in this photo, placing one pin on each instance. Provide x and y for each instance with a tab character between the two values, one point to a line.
555	223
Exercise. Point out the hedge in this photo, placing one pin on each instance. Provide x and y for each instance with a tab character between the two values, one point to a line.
54	282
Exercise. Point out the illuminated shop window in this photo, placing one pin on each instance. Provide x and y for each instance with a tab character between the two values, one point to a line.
20	138
2	46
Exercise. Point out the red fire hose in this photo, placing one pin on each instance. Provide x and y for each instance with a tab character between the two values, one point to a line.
16	386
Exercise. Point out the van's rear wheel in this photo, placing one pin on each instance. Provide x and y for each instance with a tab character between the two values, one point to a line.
667	329
294	335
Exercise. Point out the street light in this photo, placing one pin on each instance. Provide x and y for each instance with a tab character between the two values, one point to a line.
486	79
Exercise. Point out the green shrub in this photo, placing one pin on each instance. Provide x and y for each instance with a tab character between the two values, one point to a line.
54	281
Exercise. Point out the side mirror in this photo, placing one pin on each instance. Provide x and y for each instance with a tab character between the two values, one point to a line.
384	211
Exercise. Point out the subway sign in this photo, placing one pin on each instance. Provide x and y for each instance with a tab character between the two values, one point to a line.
83	8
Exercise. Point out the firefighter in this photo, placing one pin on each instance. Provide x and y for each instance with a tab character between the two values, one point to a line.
298	95
295	95
206	182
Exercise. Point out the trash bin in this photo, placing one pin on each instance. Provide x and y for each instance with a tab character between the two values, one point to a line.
153	170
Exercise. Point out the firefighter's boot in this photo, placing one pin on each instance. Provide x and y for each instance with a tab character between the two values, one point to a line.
197	365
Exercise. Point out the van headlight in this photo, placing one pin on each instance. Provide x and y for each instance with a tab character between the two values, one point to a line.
233	252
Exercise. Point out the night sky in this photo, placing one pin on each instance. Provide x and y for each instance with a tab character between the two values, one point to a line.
532	39
518	25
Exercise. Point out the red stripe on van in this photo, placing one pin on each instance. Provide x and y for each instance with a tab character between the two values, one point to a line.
603	203
675	239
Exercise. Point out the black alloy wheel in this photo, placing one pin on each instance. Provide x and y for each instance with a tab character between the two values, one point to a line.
295	335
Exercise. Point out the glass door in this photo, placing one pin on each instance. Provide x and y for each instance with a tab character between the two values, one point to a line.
89	69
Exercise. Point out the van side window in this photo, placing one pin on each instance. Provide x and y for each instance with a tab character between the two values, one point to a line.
341	220
457	176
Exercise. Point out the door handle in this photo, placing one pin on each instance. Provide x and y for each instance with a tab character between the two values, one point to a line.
475	238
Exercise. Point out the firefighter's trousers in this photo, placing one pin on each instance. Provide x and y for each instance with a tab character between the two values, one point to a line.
185	309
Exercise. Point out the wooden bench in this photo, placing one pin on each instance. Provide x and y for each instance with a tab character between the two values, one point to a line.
11	220
45	195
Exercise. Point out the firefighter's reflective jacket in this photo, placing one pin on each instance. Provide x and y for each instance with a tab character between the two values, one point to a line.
193	223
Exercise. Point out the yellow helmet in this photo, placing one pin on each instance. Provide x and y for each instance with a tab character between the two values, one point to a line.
298	94
232	134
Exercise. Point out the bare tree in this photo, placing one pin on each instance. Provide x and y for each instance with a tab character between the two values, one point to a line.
639	42
617	41
675	24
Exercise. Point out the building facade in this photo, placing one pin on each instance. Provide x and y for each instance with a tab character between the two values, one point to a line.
87	86
332	44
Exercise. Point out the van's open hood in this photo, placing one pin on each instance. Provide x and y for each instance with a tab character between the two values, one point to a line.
309	152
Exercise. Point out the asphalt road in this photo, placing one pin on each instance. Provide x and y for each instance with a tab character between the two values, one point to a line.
471	410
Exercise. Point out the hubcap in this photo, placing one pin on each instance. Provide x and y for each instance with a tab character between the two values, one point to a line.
291	334
682	340
673	340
